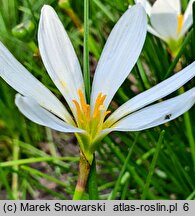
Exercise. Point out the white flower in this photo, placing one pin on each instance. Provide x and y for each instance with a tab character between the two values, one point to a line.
89	121
167	21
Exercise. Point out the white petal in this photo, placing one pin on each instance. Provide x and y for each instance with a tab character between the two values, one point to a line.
187	22
164	18
155	33
174	4
157	114
120	53
153	94
59	56
33	111
146	4
22	81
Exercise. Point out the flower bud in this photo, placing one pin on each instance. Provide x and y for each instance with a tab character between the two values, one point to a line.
24	31
64	4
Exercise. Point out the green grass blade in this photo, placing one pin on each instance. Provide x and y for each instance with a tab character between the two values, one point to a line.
86	70
105	10
183	47
3	177
113	194
153	164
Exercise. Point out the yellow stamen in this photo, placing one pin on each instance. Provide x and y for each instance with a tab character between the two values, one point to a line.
99	101
180	23
106	113
82	100
102	99
87	114
91	122
79	116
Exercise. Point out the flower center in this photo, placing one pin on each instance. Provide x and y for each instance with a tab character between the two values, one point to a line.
90	121
180	23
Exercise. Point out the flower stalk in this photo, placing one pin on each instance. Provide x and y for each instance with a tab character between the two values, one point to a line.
66	7
84	169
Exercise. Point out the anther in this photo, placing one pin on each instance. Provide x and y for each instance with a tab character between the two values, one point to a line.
180	23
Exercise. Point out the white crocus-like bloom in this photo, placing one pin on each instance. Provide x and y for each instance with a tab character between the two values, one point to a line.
90	122
167	21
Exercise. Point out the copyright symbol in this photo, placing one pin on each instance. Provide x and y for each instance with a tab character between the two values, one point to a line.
9	207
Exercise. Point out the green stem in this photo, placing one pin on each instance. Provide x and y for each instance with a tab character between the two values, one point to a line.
55	160
32	12
84	168
35	172
32	45
113	194
190	135
86	71
15	168
193	26
4	182
52	147
92	181
143	75
152	167
183	47
130	168
66	7
191	196
189	131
